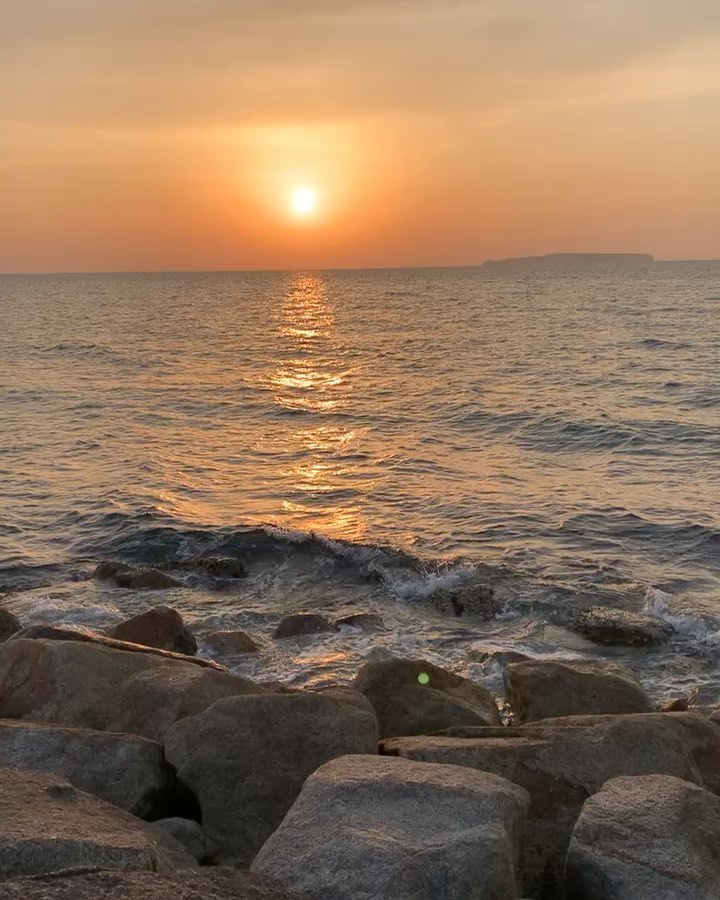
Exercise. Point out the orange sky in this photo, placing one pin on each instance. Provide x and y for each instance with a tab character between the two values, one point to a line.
169	134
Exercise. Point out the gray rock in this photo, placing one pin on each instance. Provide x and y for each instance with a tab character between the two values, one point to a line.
153	700
246	759
190	836
128	771
474	601
9	624
616	626
412	696
562	762
373	828
302	623
71	682
650	838
232	642
161	627
47	825
543	689
203	884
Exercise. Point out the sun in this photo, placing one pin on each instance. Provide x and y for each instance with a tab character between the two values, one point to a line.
304	201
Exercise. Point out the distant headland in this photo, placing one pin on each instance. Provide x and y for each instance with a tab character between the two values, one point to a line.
572	261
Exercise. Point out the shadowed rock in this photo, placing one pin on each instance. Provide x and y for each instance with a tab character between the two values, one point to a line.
646	838
246	759
366	621
136	578
190	836
161	627
373	828
231	642
543	689
474	601
9	624
619	627
302	623
416	697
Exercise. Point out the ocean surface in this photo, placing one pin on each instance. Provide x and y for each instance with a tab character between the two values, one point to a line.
360	439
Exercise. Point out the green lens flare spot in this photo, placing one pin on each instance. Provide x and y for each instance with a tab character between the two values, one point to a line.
424	678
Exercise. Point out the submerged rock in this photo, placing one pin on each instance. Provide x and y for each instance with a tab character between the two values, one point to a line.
143	578
123	769
218	566
616	626
232	642
199	884
302	623
9	624
472	601
373	828
47	825
543	689
161	627
562	762
646	839
413	696
246	759
361	620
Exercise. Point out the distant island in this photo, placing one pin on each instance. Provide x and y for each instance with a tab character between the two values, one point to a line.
571	261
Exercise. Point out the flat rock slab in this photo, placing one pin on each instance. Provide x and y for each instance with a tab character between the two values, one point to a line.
205	884
374	828
47	825
564	761
649	838
123	769
246	758
542	689
620	627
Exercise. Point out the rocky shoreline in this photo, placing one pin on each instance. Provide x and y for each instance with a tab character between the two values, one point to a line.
131	768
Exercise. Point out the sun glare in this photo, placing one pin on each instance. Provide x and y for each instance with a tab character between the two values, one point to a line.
304	201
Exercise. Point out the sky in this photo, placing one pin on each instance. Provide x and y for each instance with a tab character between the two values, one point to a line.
173	134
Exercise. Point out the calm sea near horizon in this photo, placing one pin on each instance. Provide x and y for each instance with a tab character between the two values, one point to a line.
425	427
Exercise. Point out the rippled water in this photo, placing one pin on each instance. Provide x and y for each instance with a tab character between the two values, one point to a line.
562	429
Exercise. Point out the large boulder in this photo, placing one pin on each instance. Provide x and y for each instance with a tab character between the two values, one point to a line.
247	757
620	627
161	627
153	700
128	771
47	825
9	624
562	762
412	696
300	624
202	884
543	689
62	633
71	682
649	838
373	828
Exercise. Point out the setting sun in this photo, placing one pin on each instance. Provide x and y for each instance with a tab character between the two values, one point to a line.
304	201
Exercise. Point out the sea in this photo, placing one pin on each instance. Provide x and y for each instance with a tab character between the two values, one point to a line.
360	439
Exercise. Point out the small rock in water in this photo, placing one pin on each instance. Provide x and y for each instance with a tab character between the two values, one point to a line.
473	601
232	642
219	566
137	579
302	623
9	624
617	626
361	620
161	627
681	704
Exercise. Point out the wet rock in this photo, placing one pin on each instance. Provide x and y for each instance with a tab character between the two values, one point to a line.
143	578
246	759
9	624
303	623
60	633
203	884
218	566
562	762
128	771
231	642
681	704
645	839
47	825
71	682
619	627
412	696
473	601
366	621
543	689
161	627
400	830
190	836
153	700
